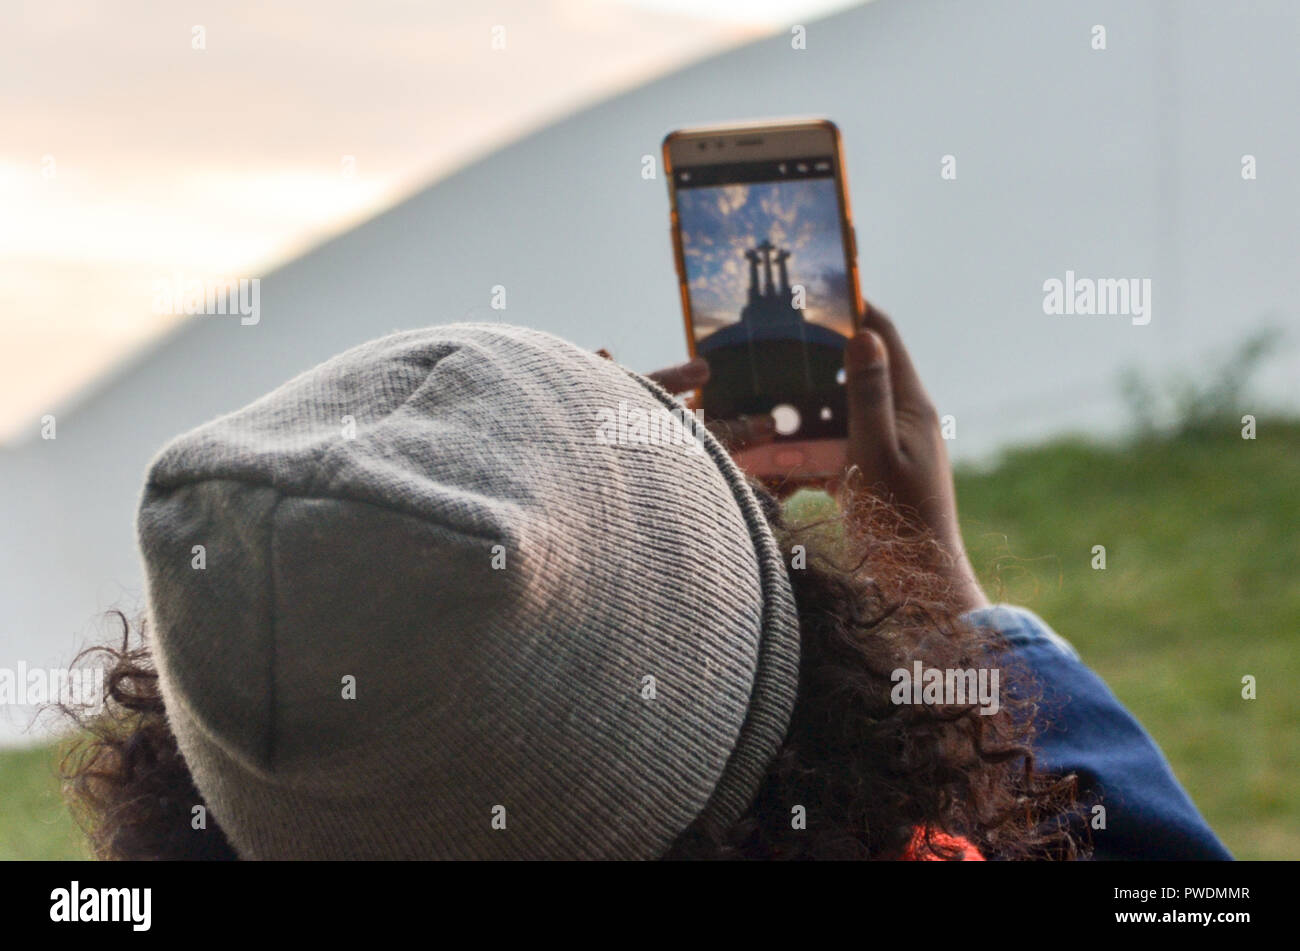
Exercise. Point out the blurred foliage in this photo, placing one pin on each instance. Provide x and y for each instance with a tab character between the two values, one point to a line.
1188	402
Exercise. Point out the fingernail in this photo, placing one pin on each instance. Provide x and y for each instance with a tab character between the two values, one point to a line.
695	372
864	349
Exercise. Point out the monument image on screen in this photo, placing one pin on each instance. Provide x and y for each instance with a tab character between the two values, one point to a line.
766	274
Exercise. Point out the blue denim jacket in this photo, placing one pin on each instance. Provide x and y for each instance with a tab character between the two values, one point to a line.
1084	729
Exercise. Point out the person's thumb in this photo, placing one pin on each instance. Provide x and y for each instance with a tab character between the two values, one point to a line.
873	442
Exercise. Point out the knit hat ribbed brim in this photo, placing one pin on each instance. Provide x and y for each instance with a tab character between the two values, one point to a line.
437	614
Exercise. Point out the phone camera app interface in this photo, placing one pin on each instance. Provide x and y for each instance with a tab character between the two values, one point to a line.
769	291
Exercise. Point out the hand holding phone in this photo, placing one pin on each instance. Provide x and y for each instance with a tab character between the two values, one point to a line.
894	449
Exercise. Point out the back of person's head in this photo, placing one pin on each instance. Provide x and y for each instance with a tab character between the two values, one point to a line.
473	592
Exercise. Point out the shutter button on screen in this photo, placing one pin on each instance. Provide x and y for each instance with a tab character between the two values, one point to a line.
787	421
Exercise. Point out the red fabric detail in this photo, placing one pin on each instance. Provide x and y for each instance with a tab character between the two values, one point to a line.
917	851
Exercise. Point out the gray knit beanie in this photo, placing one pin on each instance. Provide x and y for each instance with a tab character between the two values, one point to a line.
418	603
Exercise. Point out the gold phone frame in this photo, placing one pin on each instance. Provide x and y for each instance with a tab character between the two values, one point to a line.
752	141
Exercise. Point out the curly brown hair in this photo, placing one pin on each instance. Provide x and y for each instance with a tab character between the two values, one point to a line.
869	773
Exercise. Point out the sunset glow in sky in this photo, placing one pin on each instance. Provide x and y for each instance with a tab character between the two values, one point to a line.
157	138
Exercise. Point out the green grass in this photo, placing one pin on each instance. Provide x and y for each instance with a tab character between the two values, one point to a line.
1201	587
34	824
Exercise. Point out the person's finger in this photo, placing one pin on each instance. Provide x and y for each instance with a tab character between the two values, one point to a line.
685	376
909	393
869	389
743	432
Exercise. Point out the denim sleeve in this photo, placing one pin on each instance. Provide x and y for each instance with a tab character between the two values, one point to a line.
1084	729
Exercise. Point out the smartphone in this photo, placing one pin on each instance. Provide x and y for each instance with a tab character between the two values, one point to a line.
767	268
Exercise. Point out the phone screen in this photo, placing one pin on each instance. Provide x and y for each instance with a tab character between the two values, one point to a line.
767	277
